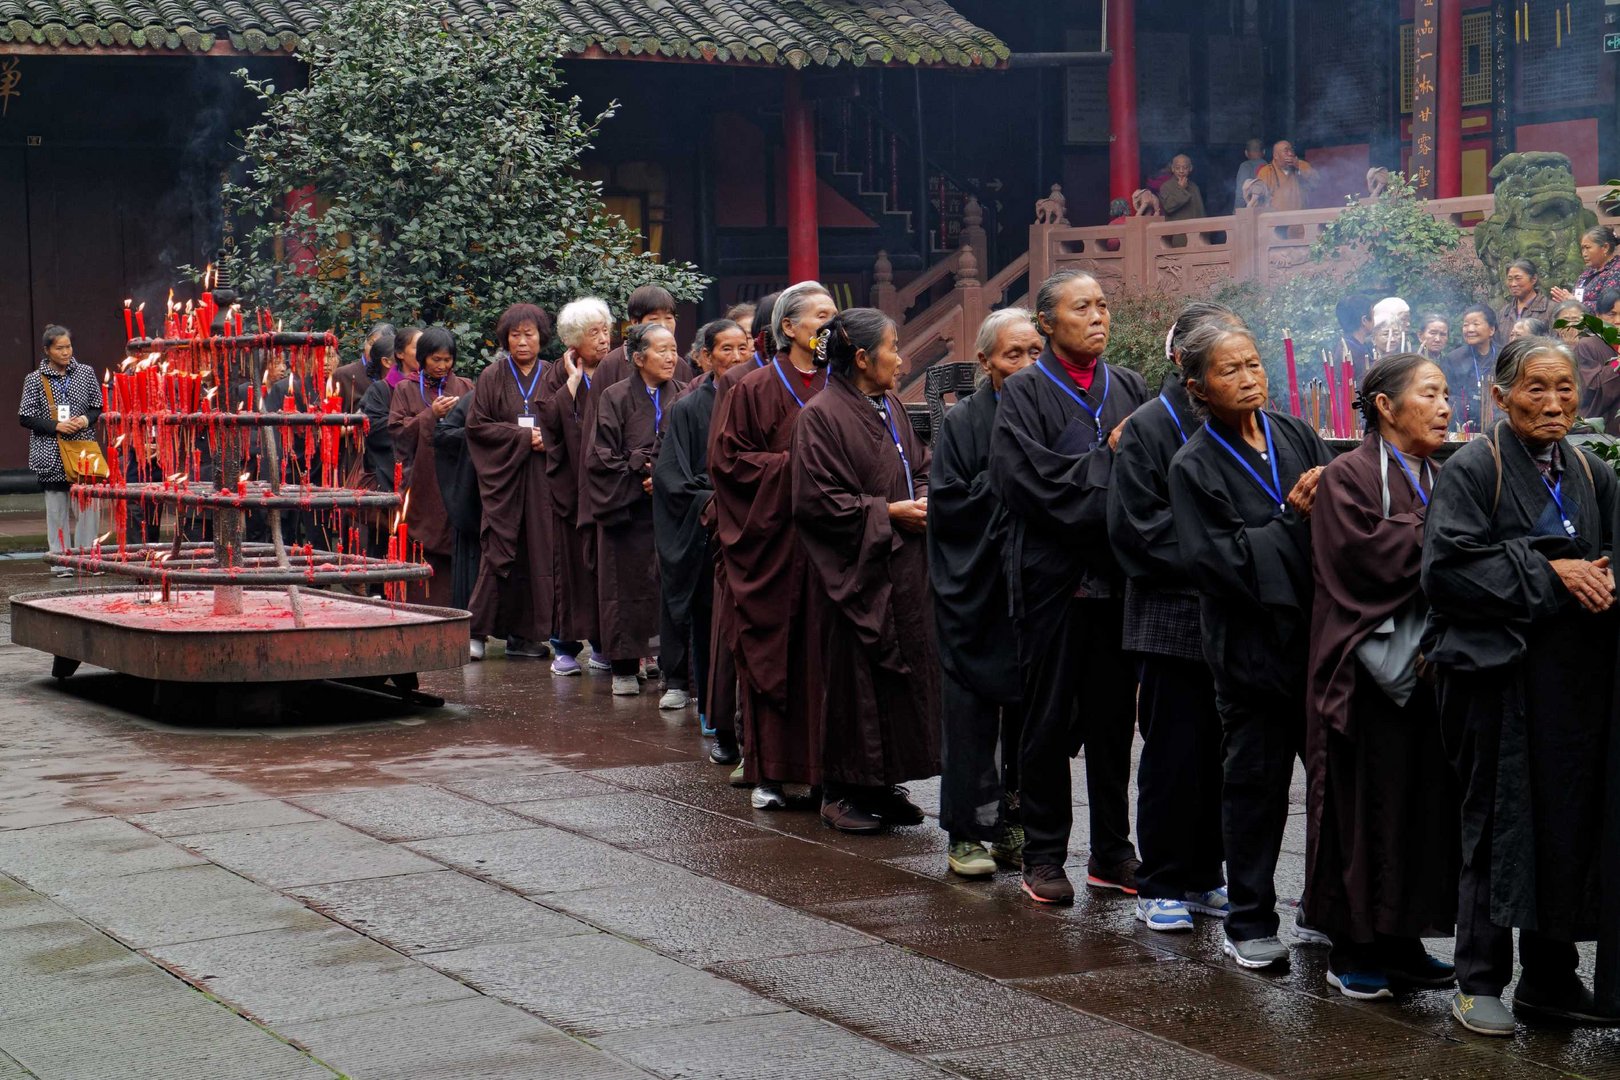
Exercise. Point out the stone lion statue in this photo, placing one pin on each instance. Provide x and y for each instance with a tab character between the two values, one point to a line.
1538	216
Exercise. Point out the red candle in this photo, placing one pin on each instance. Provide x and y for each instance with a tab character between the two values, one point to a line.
129	330
1293	373
241	485
1349	399
140	317
289	404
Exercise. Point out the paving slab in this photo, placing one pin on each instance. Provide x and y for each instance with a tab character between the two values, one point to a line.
1114	1052
287	976
532	786
11	1069
704	922
411	812
791	871
442	909
786	1046
191	903
541	860
909	1002
230	817
475	1039
589	986
630	820
51	856
313	853
1442	1062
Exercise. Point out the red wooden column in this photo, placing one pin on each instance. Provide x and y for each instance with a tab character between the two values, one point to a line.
1448	111
1125	148
798	122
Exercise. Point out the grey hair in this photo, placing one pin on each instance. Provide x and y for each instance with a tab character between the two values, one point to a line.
1511	360
575	319
990	330
1046	299
792	302
1199	345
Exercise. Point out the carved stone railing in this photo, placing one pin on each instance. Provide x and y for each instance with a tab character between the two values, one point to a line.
1147	254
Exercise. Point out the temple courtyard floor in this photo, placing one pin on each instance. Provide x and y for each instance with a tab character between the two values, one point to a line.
542	881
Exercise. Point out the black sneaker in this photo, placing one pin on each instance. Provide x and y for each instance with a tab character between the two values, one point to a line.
1572	1003
1047	884
1121	875
721	754
894	807
845	816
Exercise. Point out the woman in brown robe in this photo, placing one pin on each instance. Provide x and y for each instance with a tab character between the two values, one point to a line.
860	502
765	572
512	598
621	445
418	405
1381	832
585	327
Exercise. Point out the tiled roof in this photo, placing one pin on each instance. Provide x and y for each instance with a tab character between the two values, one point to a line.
796	33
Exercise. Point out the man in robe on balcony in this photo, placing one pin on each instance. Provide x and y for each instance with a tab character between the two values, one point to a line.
1254	156
1287	178
1180	197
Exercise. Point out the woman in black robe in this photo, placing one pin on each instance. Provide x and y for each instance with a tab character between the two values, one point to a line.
1051	463
1178	778
1522	633
458	483
979	691
681	492
419	403
621	444
1381	830
860	502
1241	492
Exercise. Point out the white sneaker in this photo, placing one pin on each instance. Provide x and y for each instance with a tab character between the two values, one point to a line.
626	686
674	699
768	796
476	648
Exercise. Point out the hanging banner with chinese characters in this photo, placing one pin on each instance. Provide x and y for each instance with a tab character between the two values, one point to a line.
1425	70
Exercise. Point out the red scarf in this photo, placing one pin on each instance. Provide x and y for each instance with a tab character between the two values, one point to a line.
1082	375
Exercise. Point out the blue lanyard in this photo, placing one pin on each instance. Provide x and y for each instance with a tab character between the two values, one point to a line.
1410	476
1557	493
1171	409
759	361
780	374
1274	490
527	391
1095	414
658	410
421	384
905	462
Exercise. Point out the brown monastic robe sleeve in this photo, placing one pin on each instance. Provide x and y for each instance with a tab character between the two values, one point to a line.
500	449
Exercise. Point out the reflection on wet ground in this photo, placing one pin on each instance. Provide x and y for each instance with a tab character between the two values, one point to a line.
541	880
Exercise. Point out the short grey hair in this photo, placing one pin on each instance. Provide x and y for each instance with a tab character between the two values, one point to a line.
990	330
1515	354
793	301
577	318
1046	299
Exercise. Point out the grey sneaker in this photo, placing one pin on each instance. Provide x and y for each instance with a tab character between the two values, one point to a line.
1482	1015
1309	935
1256	954
674	699
768	796
626	686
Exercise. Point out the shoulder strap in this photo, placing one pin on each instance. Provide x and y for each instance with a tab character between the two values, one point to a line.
1496	456
1580	455
50	398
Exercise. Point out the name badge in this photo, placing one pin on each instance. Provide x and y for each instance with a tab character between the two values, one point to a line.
64	413
526	421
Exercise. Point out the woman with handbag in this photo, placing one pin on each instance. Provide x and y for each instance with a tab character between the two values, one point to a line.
1381	831
1522	635
61	402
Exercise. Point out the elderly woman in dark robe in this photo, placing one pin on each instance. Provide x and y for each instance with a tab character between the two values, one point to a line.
1381	831
585	327
1051	463
1522	633
512	598
419	403
621	444
767	619
979	691
681	492
860	501
1178	779
1468	369
1241	493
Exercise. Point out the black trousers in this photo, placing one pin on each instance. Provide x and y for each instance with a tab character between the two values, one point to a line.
1178	780
1079	689
674	647
979	759
1261	736
1484	949
466	554
702	620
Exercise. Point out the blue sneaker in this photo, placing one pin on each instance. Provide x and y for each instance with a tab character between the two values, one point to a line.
704	725
565	665
1162	914
1214	902
1360	985
598	662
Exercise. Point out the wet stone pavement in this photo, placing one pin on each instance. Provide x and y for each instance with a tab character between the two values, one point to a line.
542	881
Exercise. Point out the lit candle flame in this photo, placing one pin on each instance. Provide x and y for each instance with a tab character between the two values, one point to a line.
102	539
243	478
177	477
209	393
119	441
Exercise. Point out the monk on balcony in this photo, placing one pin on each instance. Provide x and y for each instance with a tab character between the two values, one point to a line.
1180	197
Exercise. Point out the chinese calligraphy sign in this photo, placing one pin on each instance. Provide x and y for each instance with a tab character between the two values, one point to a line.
1425	71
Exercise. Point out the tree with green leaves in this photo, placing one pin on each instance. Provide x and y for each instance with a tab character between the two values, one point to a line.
443	162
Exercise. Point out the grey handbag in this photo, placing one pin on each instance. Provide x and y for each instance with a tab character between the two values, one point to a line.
1390	652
